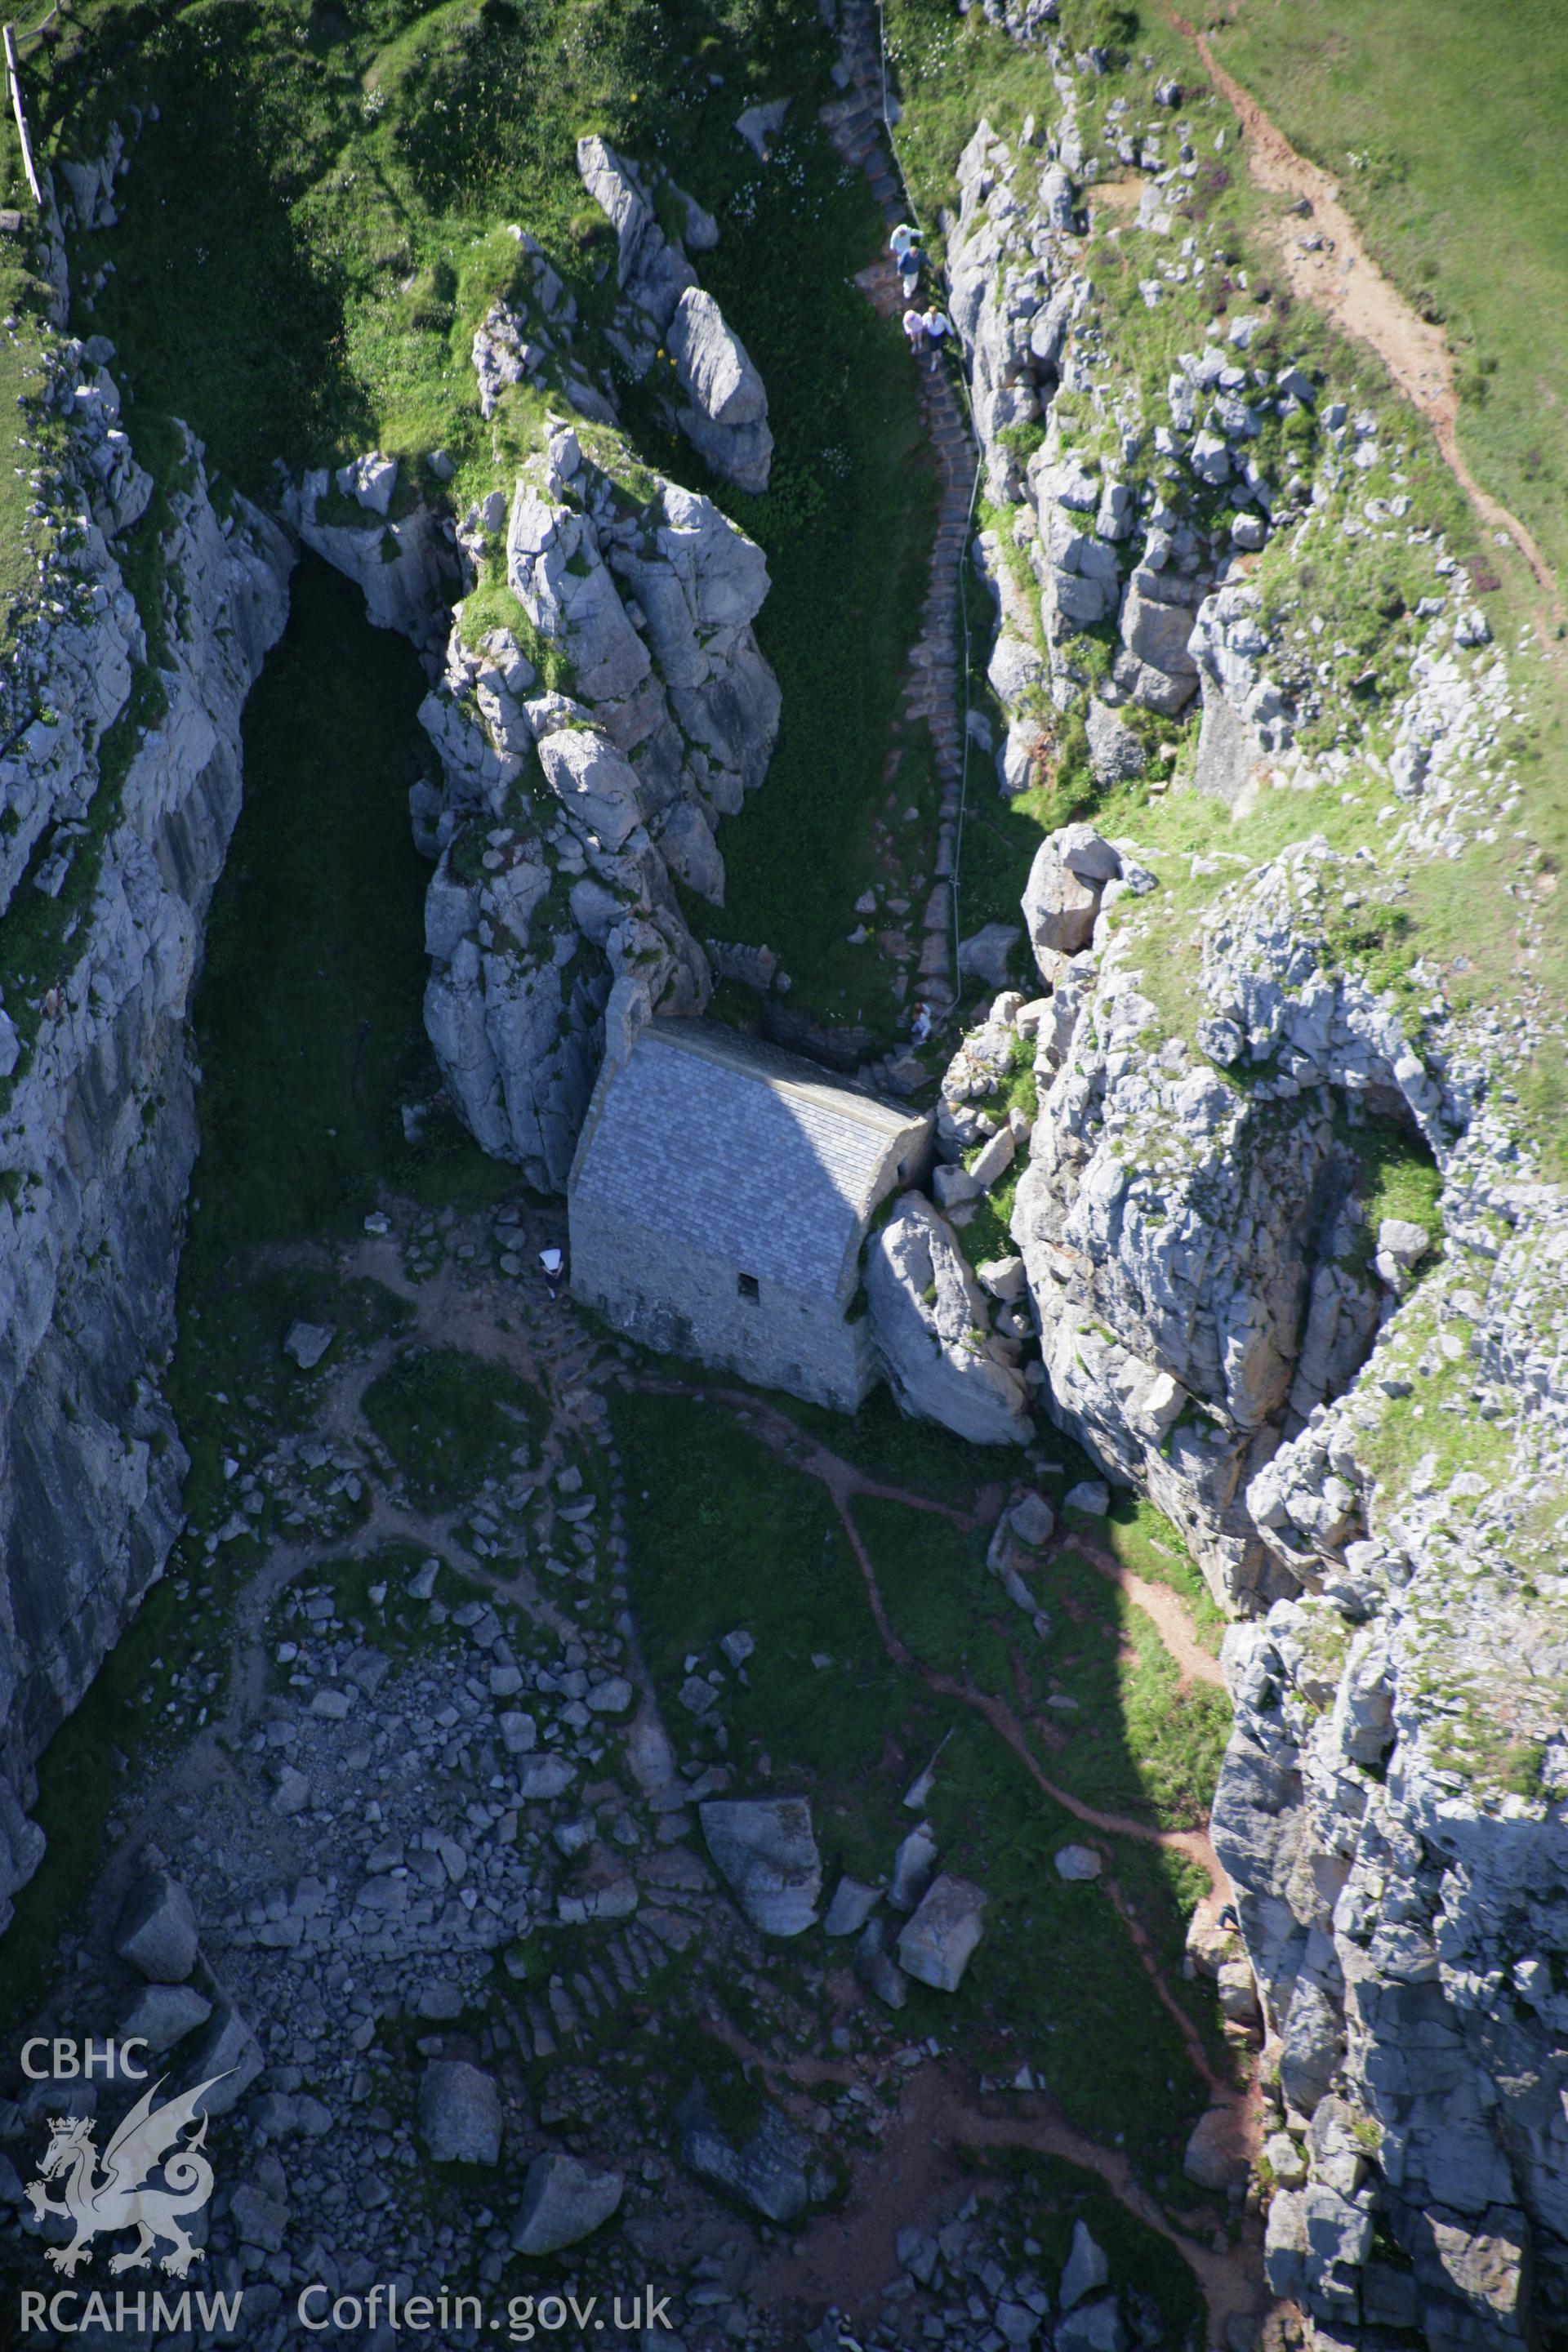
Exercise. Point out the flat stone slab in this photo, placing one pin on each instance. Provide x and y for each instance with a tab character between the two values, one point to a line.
1077	1862
766	1851
307	1343
459	2112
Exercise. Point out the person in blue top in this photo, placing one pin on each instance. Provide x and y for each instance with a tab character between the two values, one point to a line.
905	246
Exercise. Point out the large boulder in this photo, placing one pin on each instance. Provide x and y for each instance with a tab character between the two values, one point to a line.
1092	2327
936	1943
598	783
157	1929
1087	2269
1115	753
766	1851
852	1904
1216	2153
728	416
563	2202
1062	895
1156	632
930	1320
459	2112
766	2172
988	953
163	2014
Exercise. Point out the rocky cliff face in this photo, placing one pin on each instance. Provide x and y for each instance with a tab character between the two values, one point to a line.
1292	1275
120	785
569	811
598	697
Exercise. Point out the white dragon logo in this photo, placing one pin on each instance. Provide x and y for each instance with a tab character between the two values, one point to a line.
119	2198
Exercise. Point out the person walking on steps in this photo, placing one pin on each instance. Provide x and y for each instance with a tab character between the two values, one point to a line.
915	328
552	1266
937	327
905	245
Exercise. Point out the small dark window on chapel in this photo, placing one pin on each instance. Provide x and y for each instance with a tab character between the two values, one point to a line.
748	1285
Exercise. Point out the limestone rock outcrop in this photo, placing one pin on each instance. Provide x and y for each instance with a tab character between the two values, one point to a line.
552	921
119	787
666	312
1294	1273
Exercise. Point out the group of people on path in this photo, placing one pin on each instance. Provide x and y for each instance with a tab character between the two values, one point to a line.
927	329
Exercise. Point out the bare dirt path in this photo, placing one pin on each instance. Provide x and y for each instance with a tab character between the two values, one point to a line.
1341	278
1169	1611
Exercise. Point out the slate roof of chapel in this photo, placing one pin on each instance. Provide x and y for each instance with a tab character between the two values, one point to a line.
738	1149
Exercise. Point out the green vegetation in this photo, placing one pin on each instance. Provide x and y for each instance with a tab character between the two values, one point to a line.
20	296
887	1445
721	1536
1437	121
1396	1176
39	924
724	1535
1139	1744
1051	2195
1144	1539
949	71
443	1416
309	1022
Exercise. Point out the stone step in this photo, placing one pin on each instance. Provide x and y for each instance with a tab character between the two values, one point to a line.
584	1994
602	1987
543	2040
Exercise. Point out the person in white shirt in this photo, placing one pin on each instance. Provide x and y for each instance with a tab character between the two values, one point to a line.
937	327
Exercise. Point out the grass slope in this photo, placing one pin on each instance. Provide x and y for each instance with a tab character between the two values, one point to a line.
1442	123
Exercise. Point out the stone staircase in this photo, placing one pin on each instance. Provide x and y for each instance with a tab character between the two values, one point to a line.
933	691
